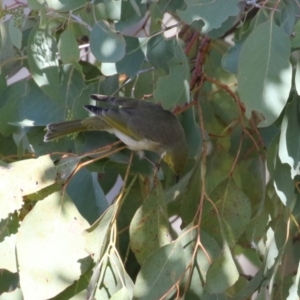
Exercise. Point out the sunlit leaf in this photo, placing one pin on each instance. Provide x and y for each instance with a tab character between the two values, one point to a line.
51	234
160	272
265	75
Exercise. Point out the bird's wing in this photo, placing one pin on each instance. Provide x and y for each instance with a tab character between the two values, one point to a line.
116	118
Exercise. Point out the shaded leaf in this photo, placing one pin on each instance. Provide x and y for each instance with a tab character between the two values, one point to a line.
289	148
68	47
87	195
149	228
106	44
234	211
160	52
174	88
213	13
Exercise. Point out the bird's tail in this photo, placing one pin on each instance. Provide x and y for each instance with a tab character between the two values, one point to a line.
57	130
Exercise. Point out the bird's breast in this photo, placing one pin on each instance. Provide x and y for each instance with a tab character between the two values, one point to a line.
143	144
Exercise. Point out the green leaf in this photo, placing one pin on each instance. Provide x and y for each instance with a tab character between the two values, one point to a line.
96	235
51	234
131	63
281	175
295	41
107	45
160	272
201	263
234	211
289	148
222	273
213	13
9	64
231	58
115	281
160	51
15	34
87	194
264	71
131	13
68	47
287	16
43	63
22	178
149	228
174	88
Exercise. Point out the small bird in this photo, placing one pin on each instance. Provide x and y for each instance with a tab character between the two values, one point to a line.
141	125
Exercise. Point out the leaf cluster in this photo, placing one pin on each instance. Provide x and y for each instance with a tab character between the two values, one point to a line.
230	71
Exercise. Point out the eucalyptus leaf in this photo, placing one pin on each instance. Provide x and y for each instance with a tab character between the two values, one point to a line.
56	264
106	44
269	85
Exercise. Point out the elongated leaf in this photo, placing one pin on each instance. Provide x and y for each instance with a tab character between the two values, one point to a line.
87	195
201	263
289	147
234	210
281	175
115	280
149	229
160	272
222	273
264	71
96	235
68	47
51	234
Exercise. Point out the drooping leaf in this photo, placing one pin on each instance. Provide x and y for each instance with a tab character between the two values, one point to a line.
96	236
160	272
149	229
289	148
68	47
87	195
222	273
264	71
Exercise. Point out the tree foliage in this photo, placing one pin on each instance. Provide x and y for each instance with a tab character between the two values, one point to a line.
230	71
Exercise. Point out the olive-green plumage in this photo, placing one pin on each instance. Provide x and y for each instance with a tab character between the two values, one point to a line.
141	125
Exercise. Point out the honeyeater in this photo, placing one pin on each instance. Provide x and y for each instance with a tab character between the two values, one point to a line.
139	124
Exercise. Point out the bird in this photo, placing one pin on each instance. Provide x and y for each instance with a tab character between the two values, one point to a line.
140	124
